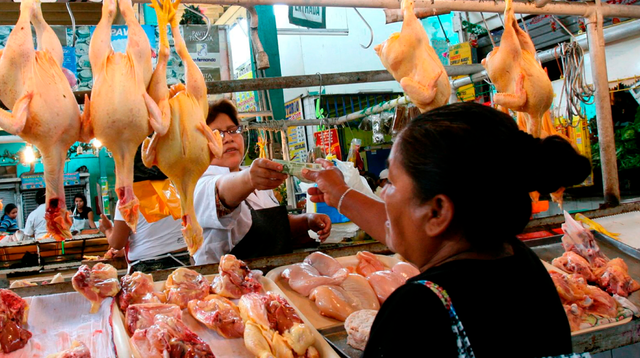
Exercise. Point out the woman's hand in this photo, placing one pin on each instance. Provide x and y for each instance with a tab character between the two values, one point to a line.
320	224
330	183
266	175
105	225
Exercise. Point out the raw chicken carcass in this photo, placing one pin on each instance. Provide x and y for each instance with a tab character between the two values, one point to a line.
96	283
522	84
574	263
614	278
235	278
219	314
137	288
184	285
185	150
409	57
120	113
581	241
77	350
168	337
13	316
303	277
44	110
142	315
368	263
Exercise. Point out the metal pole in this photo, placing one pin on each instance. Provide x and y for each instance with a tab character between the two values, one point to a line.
603	110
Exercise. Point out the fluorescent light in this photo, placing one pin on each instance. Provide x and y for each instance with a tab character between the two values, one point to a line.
97	143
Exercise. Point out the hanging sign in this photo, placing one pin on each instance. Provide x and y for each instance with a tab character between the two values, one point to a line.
296	136
463	54
314	17
329	142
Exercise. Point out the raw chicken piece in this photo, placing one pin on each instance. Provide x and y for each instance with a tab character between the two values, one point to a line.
168	337
360	288
273	328
142	315
13	315
57	279
368	263
219	314
77	350
44	110
575	315
581	241
385	282
405	269
120	113
22	283
325	264
409	57
603	304
184	285
137	288
573	289
303	277
235	278
96	283
334	301
521	82
358	327
185	147
614	278
574	263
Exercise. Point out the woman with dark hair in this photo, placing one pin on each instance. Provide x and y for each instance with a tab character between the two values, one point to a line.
236	206
9	223
157	242
83	212
442	169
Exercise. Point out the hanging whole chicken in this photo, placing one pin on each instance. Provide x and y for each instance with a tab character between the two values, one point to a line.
120	113
522	84
409	57
44	110
186	150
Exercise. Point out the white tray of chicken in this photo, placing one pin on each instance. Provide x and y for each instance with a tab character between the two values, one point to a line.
220	346
307	306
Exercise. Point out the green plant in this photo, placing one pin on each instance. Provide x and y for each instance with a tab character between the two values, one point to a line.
627	138
189	18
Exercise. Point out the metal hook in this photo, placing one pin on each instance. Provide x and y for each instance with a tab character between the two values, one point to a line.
206	19
488	31
73	26
524	24
370	29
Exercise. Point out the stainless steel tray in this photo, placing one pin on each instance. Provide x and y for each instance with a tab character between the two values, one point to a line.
337	338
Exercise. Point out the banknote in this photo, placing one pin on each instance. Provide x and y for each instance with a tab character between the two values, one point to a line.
295	168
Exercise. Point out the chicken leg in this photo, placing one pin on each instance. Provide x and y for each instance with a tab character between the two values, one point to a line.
122	79
45	112
186	148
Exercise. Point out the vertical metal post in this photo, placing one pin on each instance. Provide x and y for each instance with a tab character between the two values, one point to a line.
604	117
291	193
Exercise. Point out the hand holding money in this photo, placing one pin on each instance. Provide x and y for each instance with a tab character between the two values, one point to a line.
295	168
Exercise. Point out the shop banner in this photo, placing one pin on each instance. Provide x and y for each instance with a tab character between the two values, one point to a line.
329	142
296	136
314	17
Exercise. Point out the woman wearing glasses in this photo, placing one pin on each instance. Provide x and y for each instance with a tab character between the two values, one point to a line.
236	207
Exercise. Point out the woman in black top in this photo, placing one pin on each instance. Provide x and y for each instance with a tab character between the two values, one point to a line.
82	211
459	178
